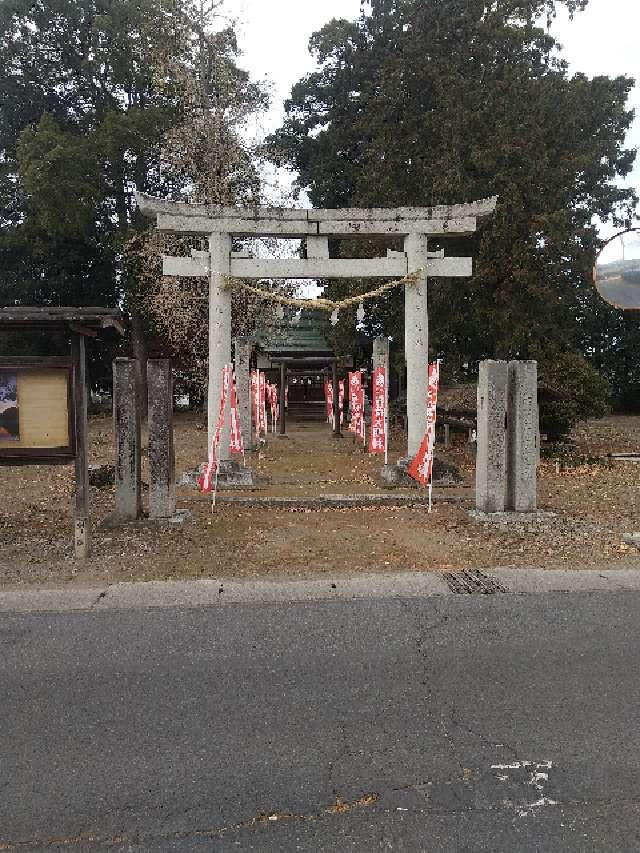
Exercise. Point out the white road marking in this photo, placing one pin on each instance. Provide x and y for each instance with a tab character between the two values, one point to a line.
538	777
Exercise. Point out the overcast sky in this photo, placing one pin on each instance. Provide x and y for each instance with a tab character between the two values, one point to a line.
274	35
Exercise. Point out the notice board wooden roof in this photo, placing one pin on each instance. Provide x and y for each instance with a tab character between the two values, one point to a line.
84	321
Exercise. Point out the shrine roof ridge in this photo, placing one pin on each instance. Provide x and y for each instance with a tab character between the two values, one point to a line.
151	207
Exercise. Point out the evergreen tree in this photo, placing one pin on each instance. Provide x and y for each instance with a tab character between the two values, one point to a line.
424	102
100	98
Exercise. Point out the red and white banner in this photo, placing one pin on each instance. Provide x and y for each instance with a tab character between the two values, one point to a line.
255	400
236	444
361	426
378	434
356	404
205	481
421	468
328	393
355	380
341	400
262	407
274	403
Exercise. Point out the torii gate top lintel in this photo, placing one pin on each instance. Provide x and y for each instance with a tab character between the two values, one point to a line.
316	227
181	217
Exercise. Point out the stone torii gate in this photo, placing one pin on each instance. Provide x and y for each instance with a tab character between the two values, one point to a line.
316	227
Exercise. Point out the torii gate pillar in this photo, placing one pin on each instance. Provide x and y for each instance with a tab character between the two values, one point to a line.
416	324
219	332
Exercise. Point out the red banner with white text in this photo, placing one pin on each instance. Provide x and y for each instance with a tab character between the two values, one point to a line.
356	404
262	408
378	433
361	427
421	468
354	386
255	400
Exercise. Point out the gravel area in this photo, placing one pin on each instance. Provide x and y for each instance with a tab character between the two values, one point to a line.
586	510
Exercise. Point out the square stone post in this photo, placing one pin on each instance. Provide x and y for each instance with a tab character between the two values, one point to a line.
522	436
491	456
381	355
126	421
162	465
416	342
243	347
219	334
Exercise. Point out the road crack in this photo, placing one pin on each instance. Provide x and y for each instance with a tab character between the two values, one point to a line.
339	807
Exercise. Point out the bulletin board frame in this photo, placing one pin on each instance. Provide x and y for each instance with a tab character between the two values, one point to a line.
60	455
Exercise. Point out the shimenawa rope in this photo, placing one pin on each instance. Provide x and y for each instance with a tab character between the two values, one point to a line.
321	303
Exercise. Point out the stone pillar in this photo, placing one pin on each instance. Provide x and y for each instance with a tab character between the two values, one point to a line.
219	333
243	347
381	354
126	419
416	342
491	456
522	436
162	464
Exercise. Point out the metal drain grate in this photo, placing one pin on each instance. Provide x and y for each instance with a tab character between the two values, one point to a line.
472	581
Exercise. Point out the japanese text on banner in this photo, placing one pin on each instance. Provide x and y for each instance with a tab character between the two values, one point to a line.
356	404
354	386
378	434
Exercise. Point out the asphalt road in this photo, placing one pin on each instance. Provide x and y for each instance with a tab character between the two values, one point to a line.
453	723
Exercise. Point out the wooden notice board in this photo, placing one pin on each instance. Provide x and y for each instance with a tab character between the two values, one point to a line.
36	412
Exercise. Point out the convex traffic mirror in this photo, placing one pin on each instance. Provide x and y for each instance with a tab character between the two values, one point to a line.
617	271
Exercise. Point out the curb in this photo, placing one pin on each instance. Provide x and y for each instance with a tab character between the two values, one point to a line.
370	587
337	501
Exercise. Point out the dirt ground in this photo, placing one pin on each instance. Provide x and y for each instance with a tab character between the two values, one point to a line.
589	504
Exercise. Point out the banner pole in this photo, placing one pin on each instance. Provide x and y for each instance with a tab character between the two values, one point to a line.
215	485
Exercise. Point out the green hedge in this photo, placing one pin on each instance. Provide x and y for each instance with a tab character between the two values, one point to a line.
570	390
